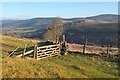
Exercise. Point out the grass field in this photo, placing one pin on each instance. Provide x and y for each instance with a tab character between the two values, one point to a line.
67	66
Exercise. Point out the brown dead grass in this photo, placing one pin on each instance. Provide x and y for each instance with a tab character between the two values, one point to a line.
20	39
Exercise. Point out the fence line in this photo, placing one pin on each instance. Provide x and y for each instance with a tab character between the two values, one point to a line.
88	49
57	49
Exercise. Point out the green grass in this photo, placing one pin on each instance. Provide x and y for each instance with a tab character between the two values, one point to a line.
67	66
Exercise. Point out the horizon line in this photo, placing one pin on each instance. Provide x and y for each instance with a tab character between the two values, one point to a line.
5	18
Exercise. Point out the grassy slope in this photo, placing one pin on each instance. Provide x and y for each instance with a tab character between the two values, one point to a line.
68	66
10	43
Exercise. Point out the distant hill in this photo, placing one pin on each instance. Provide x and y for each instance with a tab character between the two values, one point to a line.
37	22
104	17
97	33
30	23
95	28
7	21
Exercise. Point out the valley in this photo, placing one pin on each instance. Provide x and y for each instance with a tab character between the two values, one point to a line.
101	29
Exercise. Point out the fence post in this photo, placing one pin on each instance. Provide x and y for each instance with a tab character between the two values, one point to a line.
35	51
108	50
84	47
24	51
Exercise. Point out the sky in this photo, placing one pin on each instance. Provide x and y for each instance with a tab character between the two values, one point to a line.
26	10
60	0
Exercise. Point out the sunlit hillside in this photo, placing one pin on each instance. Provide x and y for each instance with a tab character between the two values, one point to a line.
66	66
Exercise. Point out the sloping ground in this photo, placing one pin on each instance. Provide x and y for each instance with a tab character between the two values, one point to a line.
10	43
69	66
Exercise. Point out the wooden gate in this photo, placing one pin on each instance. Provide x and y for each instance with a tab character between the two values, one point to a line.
42	52
47	51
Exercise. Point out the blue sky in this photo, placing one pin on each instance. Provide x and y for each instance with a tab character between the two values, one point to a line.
25	10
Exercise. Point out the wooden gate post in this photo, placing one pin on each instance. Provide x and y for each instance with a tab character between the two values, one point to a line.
35	51
59	48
